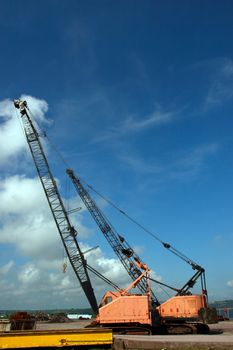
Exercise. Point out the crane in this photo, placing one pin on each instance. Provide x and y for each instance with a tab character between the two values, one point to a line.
126	253
119	311
66	231
122	249
151	314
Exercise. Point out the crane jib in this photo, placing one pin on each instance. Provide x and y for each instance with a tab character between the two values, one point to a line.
65	229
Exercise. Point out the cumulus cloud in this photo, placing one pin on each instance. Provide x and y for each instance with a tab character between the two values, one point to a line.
15	193
29	274
12	137
28	226
26	220
37	107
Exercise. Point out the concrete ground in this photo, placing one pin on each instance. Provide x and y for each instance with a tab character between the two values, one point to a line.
220	338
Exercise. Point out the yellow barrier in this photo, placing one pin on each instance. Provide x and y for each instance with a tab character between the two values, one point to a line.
81	337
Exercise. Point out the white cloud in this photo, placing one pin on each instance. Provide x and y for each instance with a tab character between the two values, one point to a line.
221	87
154	119
7	109
27	222
230	283
192	163
29	274
133	124
38	284
138	164
184	165
12	136
19	194
37	108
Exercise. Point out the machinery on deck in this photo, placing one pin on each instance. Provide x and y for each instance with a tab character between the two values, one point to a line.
120	310
183	311
22	321
126	312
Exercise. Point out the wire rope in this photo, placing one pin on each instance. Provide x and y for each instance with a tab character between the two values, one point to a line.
107	200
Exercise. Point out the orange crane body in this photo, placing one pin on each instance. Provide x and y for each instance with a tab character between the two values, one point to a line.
182	307
116	308
133	313
136	308
124	308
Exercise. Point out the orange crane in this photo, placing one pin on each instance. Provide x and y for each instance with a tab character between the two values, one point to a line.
180	313
128	313
184	311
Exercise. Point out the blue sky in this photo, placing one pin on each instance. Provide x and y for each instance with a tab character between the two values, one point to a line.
139	97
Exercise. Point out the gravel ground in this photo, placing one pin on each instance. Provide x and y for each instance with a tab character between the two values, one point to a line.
60	326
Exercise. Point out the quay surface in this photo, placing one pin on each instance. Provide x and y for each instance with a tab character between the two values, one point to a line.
220	338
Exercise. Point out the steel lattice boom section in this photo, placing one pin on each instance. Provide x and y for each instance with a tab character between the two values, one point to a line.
122	249
65	229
